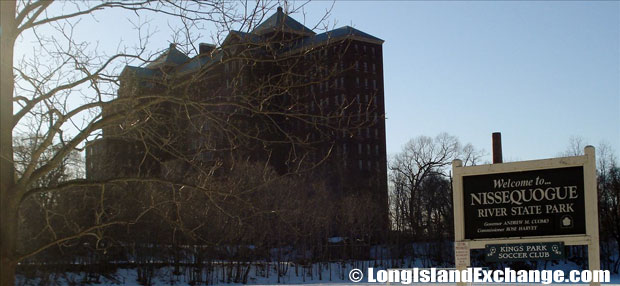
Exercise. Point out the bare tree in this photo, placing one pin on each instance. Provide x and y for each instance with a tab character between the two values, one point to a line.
418	176
608	178
576	144
66	95
609	214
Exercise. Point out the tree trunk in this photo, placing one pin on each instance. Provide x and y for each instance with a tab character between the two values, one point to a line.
8	236
7	247
8	202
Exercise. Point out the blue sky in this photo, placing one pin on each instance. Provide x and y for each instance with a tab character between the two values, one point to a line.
537	71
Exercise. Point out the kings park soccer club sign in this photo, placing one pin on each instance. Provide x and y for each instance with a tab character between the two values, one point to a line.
524	251
521	204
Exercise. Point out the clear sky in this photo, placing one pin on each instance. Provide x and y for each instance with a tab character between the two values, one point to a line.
537	71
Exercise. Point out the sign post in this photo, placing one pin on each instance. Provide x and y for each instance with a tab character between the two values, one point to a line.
528	205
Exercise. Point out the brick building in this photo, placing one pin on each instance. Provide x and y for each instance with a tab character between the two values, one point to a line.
298	98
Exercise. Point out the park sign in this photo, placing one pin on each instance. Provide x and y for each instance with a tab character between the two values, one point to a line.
524	251
522	204
526	203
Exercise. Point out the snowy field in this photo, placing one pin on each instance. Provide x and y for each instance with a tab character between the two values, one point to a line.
324	274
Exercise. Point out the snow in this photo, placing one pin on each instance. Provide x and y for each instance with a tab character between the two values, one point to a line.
334	273
335	239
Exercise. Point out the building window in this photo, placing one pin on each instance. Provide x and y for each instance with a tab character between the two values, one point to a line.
365	83
342	82
369	165
372	50
344	148
368	136
357	65
365	97
374	83
377	150
365	67
342	97
374	68
376	130
368	149
357	98
357	81
364	49
359	148
360	164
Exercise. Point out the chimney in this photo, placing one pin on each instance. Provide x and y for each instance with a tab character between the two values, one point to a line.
497	148
205	49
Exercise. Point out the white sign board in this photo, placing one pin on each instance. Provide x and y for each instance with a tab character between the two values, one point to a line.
487	204
461	253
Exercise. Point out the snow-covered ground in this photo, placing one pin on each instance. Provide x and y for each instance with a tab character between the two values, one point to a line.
257	274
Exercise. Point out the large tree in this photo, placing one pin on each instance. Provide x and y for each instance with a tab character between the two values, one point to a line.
55	97
420	186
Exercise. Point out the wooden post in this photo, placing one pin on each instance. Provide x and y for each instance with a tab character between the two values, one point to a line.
591	200
497	148
462	260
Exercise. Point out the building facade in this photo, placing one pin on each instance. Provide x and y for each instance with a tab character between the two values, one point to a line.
279	93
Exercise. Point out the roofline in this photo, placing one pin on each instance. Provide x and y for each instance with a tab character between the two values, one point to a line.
284	30
334	39
130	71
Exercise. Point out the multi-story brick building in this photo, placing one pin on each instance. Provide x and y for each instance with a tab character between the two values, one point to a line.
280	93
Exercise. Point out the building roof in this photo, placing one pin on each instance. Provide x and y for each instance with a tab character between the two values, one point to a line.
140	72
281	22
242	36
197	62
335	35
276	22
171	57
350	31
